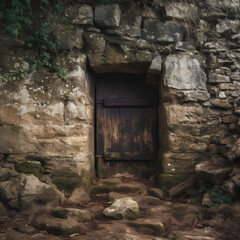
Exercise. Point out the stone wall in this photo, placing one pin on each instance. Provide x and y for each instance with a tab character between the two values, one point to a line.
191	53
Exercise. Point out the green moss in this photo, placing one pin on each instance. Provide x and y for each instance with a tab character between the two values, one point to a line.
167	181
68	184
29	168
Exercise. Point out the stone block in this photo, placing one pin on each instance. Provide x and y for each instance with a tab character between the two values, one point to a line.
230	119
183	71
235	76
221	103
183	143
169	32
180	114
156	65
94	41
226	4
212	172
228	27
131	23
69	37
217	78
15	140
184	46
226	86
83	15
107	15
196	96
180	162
181	10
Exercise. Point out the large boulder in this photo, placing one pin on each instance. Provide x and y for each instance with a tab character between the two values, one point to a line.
183	71
107	15
122	208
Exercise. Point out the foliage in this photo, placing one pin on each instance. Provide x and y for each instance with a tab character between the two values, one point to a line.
216	193
13	75
35	21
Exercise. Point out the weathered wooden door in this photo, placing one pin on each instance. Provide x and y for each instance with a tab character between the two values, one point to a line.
126	121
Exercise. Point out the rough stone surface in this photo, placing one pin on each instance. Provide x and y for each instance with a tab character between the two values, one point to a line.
115	185
107	15
157	192
235	176
234	151
59	226
84	15
180	11
3	210
156	31
184	72
212	172
223	4
147	200
122	208
230	187
217	78
94	41
156	65
32	188
112	196
131	23
78	197
206	201
69	38
67	213
154	224
228	27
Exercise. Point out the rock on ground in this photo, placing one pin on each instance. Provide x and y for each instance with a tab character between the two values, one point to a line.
122	208
58	226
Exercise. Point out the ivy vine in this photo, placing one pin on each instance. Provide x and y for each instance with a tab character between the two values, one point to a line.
35	21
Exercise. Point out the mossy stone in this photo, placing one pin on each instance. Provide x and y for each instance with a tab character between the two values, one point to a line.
167	181
68	184
29	167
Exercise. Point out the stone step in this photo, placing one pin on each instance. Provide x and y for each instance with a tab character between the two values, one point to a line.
116	185
58	226
154	224
193	235
80	215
